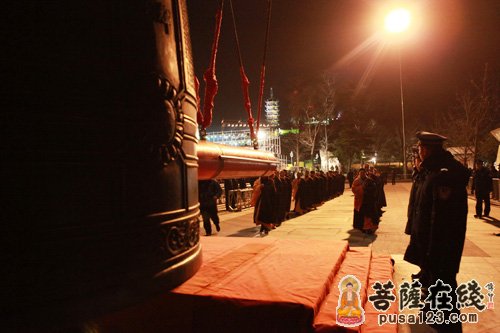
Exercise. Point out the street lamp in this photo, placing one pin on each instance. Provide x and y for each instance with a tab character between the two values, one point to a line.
398	21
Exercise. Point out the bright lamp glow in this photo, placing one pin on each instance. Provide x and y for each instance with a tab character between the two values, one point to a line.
261	135
398	20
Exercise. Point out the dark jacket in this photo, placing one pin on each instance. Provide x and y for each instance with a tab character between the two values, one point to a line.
438	214
415	182
482	182
208	192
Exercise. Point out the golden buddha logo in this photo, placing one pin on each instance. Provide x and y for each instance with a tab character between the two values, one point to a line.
349	310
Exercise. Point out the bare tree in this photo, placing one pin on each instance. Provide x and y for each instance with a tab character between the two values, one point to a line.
313	108
473	117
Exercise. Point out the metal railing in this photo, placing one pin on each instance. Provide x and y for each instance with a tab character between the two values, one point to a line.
240	199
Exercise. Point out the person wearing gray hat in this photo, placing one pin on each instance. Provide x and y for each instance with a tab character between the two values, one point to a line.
438	214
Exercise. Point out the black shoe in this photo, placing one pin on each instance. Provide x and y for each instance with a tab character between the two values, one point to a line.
208	234
477	216
217	227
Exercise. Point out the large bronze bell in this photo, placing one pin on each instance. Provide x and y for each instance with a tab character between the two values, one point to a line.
99	166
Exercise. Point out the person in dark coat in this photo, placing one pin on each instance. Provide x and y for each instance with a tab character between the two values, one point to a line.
287	193
280	198
341	183
265	204
357	189
383	175
369	209
298	194
438	218
208	193
350	177
381	199
482	185
306	189
414	176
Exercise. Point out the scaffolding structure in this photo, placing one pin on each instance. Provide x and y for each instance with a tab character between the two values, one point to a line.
237	133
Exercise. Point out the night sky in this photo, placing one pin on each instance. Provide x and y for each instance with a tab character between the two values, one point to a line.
454	39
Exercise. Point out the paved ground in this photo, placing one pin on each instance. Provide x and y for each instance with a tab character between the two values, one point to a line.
333	220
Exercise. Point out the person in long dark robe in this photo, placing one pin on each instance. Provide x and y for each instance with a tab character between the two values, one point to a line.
306	197
265	204
357	189
369	209
287	193
350	177
314	190
381	199
341	183
280	207
298	193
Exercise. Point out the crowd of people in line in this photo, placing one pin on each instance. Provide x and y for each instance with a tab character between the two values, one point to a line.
273	195
275	198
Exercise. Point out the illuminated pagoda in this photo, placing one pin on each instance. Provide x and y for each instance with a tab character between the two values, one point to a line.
272	111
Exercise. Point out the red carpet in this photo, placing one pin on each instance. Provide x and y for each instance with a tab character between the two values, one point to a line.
259	285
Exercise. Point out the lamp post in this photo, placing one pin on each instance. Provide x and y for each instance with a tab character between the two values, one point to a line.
402	113
398	21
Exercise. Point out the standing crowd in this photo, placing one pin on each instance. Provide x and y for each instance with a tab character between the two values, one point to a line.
273	195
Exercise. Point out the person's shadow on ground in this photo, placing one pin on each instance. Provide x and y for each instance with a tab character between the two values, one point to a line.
492	221
358	238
